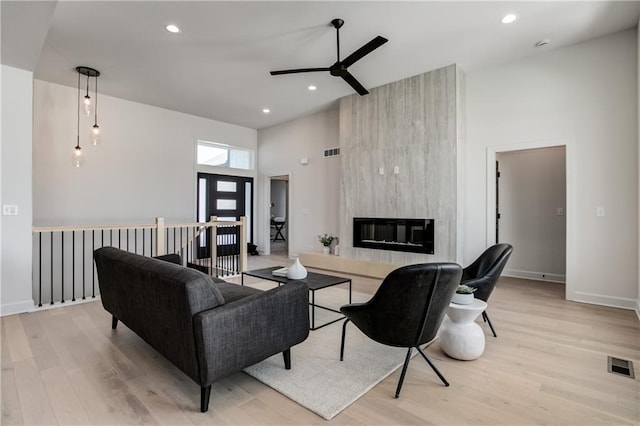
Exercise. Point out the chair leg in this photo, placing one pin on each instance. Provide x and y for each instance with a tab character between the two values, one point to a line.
205	394
114	322
433	366
287	359
344	330
485	317
404	371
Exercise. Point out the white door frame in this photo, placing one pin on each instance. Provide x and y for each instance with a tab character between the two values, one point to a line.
570	207
266	232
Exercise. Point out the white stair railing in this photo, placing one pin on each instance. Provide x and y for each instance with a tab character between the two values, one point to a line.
63	267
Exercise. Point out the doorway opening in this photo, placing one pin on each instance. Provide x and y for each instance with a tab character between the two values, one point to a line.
530	205
278	215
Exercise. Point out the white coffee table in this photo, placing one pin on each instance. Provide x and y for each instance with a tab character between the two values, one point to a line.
460	337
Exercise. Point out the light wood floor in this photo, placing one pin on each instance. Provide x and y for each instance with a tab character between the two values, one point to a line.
547	366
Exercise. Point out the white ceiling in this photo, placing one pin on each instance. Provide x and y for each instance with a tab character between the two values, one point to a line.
218	66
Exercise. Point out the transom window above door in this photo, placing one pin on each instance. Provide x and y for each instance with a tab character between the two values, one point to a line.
222	155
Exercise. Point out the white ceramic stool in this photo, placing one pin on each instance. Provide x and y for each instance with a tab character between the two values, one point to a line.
460	337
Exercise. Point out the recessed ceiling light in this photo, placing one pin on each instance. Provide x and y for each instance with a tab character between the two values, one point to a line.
312	87
266	110
507	19
172	28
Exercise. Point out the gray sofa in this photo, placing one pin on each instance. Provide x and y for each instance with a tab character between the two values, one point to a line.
206	327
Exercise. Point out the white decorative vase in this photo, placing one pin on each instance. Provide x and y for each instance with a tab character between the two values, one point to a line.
336	250
462	299
326	249
297	271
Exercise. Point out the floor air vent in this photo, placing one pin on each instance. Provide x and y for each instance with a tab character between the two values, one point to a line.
620	366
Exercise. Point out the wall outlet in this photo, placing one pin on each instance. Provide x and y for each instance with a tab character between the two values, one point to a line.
600	211
9	210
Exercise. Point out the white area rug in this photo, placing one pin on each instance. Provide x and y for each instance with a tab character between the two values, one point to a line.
317	379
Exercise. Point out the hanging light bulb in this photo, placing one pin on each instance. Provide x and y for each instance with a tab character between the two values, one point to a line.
95	136
88	107
77	159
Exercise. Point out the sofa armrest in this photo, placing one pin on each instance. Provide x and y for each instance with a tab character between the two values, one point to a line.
241	333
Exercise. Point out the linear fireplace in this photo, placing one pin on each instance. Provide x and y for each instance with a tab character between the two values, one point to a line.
409	235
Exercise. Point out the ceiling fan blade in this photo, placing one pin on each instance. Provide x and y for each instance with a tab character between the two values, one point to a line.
354	83
364	50
298	70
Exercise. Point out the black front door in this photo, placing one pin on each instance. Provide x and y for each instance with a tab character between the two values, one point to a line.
228	198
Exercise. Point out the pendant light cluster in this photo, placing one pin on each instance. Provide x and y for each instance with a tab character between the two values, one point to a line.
90	107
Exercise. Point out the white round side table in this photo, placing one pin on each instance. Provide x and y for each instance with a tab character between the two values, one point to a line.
460	337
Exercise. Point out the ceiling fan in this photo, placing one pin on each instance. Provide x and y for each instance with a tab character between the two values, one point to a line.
339	69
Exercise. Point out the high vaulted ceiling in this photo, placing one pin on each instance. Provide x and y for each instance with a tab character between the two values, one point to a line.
218	65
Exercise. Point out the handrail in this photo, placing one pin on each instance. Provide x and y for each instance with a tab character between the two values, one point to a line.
130	226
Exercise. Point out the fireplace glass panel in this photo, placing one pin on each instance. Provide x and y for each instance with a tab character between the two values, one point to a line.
409	235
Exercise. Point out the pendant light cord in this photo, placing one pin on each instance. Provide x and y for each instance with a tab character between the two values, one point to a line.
78	128
95	109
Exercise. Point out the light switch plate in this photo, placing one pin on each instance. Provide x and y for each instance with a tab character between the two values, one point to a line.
9	210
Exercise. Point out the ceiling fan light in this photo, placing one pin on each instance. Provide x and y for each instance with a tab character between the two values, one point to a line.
312	87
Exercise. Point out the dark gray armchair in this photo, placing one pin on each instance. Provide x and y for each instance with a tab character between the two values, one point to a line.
407	309
484	272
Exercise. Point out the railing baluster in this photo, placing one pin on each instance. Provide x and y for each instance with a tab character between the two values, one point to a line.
73	266
143	234
127	239
135	240
119	237
51	265
62	264
93	275
83	289
40	269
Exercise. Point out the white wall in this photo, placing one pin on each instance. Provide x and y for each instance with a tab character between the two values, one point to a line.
145	166
313	188
585	94
15	156
532	189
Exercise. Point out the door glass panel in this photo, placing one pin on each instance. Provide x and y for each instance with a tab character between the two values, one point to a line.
222	204
224	186
248	208
202	200
226	219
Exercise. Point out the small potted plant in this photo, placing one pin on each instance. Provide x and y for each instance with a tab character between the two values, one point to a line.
325	240
463	295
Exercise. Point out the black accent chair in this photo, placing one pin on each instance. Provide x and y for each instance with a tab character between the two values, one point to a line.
483	274
407	309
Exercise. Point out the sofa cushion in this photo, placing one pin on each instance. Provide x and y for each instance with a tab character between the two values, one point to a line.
232	292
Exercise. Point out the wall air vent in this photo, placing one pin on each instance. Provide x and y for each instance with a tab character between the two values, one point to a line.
620	366
331	152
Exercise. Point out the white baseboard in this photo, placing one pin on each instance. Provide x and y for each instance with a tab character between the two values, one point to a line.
599	299
638	308
532	275
16	307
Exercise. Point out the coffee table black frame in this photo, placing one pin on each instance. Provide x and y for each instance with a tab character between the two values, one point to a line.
315	282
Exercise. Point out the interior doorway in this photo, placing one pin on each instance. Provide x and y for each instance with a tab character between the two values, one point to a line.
279	215
530	211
